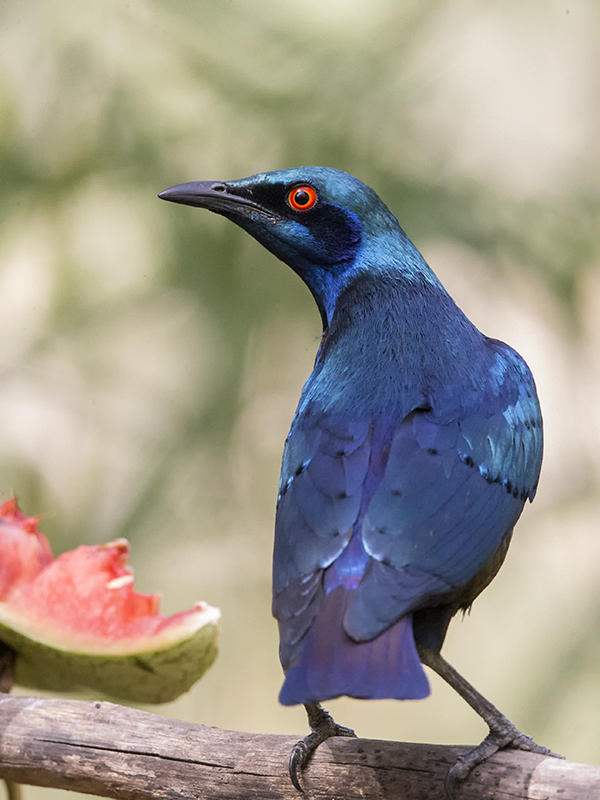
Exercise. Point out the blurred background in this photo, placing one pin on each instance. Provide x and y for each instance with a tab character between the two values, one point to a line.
152	355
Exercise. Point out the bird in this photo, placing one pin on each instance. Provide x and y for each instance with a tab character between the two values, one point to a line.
416	442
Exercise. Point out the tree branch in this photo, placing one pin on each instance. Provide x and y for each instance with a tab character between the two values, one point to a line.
110	750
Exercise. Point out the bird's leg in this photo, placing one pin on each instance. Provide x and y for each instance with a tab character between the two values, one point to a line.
503	733
322	726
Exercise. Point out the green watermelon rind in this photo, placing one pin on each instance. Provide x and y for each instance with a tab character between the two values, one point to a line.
151	669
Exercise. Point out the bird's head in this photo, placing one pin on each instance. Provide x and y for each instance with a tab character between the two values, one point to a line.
324	223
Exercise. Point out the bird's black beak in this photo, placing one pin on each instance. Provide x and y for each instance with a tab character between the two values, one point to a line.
213	195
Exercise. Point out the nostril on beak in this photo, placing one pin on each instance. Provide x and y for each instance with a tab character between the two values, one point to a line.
218	187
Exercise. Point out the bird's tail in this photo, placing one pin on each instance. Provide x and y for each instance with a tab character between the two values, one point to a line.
333	664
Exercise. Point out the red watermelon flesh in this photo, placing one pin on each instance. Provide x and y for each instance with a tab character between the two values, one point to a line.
79	615
25	550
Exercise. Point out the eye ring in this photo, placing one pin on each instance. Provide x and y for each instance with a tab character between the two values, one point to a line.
302	198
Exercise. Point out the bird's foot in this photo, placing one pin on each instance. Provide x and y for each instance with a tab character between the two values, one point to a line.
323	727
504	735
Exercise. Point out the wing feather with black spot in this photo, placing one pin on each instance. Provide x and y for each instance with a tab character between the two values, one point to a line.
453	485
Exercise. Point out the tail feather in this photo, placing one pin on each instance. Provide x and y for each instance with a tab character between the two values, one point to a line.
332	664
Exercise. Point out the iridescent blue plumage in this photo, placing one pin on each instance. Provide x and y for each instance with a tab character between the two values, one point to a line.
415	444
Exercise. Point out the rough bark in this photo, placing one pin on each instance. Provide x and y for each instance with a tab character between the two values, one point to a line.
109	750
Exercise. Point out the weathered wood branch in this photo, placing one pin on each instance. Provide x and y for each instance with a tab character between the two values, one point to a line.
114	751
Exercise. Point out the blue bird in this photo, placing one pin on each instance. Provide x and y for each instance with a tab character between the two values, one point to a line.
415	444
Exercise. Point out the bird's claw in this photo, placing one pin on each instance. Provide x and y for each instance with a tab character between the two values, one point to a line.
342	730
523	742
304	748
460	771
505	737
299	756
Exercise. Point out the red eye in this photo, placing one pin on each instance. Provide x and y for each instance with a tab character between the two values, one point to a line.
302	198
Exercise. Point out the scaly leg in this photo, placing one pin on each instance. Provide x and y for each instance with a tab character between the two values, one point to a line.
502	731
322	726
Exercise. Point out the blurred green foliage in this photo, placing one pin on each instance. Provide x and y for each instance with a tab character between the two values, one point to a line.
152	355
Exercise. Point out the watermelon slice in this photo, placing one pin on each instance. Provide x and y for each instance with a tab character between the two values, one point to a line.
76	622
